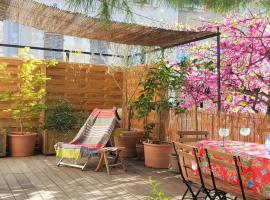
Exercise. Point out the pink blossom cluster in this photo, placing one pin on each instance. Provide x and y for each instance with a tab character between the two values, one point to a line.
245	62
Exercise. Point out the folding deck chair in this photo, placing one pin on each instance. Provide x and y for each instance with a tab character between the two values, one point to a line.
90	140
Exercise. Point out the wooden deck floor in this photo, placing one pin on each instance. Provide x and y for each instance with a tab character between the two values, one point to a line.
38	177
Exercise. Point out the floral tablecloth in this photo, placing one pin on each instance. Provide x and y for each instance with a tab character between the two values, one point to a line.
256	169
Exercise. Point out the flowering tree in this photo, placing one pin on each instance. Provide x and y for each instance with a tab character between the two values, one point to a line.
245	73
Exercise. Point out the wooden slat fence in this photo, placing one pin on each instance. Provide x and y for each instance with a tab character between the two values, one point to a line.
258	123
172	122
89	86
85	86
207	121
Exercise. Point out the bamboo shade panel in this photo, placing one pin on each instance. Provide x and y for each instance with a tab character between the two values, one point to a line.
51	19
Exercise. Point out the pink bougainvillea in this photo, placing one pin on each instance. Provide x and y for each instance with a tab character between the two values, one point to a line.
245	62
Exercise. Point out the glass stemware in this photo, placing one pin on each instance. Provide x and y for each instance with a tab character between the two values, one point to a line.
223	132
267	143
244	132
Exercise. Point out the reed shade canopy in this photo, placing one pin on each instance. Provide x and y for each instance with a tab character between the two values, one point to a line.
51	19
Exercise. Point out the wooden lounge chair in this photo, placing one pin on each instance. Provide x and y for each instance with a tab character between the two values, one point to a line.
185	155
90	141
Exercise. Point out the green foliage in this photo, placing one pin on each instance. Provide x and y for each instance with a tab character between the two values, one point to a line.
148	129
117	132
155	96
5	77
28	99
63	118
155	193
106	8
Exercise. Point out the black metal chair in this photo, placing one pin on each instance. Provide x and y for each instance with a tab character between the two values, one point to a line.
185	155
231	162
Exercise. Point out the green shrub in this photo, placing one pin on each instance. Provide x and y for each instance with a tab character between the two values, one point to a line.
63	118
28	99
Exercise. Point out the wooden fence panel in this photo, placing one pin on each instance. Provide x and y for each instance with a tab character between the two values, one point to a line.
85	86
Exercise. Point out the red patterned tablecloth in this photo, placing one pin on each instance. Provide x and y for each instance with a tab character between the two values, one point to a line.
256	171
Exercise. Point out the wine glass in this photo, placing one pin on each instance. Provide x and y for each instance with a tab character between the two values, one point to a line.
223	132
267	143
244	132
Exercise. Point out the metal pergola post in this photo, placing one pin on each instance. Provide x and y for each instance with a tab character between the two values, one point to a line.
219	107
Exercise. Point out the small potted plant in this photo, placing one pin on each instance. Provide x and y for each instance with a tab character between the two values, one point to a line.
62	123
127	136
27	102
161	81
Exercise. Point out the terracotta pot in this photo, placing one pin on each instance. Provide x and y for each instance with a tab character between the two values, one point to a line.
174	163
129	139
140	151
157	155
21	145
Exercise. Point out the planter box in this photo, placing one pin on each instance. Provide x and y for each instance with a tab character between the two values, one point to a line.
3	143
50	138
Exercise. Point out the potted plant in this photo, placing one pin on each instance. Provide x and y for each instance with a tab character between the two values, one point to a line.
128	137
27	102
157	95
148	130
62	123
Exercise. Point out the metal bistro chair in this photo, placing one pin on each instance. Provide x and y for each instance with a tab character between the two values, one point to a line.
185	155
222	188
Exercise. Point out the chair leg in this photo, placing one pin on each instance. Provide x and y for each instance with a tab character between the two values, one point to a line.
85	165
189	189
106	163
59	162
118	157
185	194
100	162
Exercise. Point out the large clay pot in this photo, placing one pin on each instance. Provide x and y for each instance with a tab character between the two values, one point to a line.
129	139
140	151
21	145
174	167
157	155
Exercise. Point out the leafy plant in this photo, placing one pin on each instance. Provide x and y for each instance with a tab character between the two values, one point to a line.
106	8
63	118
148	129
4	78
28	99
155	95
155	192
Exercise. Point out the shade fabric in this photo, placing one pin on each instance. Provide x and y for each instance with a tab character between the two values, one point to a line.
93	136
52	19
